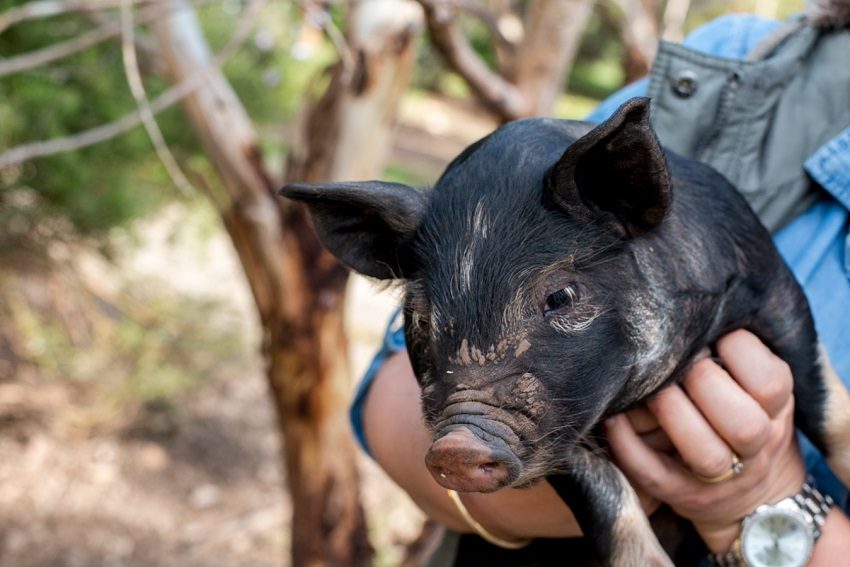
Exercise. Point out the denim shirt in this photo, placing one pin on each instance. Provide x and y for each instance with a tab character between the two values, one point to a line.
815	244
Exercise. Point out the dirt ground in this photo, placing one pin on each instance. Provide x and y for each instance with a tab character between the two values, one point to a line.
198	483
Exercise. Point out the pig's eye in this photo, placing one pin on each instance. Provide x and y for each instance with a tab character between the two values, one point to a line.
560	298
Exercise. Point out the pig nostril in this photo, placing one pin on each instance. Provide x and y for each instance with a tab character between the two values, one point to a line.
461	461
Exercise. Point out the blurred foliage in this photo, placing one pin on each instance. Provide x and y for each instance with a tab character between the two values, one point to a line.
90	191
74	94
598	68
703	11
573	106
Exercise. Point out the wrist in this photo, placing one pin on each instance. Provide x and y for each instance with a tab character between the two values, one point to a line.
833	541
784	532
720	533
720	539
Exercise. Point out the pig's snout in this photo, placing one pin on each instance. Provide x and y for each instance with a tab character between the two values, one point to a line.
461	461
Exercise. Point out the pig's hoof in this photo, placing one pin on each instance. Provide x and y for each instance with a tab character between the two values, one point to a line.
461	461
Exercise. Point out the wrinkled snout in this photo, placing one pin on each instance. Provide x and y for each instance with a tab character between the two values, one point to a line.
462	461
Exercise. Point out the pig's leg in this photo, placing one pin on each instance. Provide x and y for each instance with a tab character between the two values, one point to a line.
609	512
836	422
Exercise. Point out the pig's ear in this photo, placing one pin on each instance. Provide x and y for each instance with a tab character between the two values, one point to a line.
364	223
617	169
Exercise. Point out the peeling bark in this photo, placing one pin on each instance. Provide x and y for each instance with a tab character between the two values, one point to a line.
297	286
553	33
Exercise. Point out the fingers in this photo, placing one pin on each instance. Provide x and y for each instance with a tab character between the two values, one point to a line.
722	412
764	376
698	444
730	411
716	413
653	471
642	420
744	407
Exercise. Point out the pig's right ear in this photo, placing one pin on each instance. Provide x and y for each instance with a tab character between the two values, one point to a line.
366	224
616	172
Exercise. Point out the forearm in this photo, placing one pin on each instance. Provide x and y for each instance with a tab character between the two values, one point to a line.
834	543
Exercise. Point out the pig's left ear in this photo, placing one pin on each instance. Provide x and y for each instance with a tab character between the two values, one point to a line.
366	224
617	172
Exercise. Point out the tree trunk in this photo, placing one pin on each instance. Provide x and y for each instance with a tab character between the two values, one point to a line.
297	286
673	20
639	29
552	37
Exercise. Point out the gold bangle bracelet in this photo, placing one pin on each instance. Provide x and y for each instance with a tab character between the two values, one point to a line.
479	529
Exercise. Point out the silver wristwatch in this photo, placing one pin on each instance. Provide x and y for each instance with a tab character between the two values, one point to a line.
781	534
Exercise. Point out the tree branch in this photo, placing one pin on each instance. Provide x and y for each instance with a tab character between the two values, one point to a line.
673	20
137	88
26	152
318	16
45	55
498	94
489	19
47	8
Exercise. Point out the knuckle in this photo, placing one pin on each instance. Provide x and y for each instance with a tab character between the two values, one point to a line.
753	434
779	370
777	388
653	486
712	463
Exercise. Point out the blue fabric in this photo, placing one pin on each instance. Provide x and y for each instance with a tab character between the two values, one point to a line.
816	245
817	248
393	342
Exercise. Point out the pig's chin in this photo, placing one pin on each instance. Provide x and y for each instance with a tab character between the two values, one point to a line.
467	459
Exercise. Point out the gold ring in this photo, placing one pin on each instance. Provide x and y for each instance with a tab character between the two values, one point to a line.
734	470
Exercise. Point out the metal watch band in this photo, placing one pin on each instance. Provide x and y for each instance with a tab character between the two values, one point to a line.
814	505
809	501
732	558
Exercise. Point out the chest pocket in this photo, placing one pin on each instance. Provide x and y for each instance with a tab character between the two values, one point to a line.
756	121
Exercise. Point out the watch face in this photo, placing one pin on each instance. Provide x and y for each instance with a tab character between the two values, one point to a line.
777	538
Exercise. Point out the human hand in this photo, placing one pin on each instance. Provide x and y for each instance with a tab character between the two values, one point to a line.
743	408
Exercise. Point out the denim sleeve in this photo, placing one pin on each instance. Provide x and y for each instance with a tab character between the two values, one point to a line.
816	247
830	167
393	343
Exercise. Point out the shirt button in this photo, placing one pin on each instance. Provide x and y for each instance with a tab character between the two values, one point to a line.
685	83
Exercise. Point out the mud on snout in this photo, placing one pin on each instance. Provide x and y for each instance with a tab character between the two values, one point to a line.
484	441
